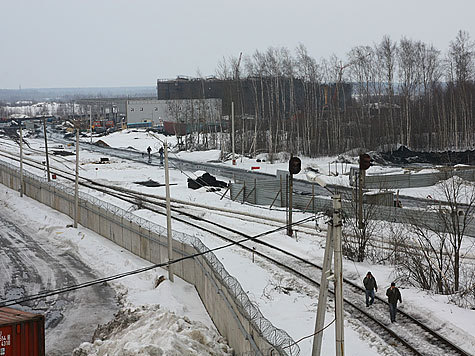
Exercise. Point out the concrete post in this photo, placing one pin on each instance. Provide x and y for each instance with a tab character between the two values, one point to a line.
322	297
46	150
21	161
339	319
76	182
232	133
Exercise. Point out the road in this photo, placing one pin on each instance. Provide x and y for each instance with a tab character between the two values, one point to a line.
31	263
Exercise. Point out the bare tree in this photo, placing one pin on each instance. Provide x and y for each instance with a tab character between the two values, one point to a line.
440	237
356	238
460	198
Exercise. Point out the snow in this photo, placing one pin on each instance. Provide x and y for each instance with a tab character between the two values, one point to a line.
152	331
286	301
170	316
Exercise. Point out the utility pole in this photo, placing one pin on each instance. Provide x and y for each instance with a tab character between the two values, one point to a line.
169	219
291	190
90	121
339	318
364	163
295	166
239	99
232	134
21	160
322	297
361	177
333	245
46	150
76	182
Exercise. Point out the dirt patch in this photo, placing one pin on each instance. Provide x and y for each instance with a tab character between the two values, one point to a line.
403	155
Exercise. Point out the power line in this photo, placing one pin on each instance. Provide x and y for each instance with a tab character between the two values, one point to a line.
306	337
45	294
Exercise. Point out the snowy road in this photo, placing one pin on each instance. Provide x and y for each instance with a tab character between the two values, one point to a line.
33	260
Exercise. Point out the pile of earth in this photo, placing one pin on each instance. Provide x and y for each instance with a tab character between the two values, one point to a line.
403	155
206	180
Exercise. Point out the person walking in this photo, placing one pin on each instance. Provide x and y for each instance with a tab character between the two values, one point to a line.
160	151
370	286
149	151
394	296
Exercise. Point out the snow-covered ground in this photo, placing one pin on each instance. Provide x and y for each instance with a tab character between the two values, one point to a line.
286	302
165	319
331	169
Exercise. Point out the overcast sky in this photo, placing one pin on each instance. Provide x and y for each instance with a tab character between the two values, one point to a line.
97	43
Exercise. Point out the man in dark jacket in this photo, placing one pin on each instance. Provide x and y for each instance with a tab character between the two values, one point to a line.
160	151
370	286
149	151
393	295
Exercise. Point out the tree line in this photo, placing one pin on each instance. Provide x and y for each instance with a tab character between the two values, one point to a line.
403	92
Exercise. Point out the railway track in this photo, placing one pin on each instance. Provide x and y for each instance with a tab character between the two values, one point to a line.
381	242
409	336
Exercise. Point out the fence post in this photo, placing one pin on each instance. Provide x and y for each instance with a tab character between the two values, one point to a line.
281	195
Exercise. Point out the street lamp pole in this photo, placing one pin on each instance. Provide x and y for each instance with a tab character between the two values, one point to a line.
21	160
76	181
169	219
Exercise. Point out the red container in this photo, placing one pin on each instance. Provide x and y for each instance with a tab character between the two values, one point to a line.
21	333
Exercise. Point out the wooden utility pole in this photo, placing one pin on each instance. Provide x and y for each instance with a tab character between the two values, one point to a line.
46	150
21	161
169	219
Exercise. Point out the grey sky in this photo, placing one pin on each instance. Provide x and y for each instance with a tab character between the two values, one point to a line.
90	43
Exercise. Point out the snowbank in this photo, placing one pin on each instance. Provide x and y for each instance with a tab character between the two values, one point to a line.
150	330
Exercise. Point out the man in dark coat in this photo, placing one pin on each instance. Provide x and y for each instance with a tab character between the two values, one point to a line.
149	151
370	286
393	295
160	151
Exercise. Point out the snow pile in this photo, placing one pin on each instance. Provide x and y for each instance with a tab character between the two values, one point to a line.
149	330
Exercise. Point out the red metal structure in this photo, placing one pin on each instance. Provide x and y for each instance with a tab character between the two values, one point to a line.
21	333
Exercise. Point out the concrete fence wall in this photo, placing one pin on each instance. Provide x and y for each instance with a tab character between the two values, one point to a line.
236	318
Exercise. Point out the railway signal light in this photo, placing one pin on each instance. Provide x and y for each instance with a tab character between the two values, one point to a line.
365	161
295	165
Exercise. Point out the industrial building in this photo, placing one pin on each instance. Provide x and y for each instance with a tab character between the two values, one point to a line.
174	116
252	96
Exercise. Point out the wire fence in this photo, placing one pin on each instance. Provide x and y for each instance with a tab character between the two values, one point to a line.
275	193
281	341
410	180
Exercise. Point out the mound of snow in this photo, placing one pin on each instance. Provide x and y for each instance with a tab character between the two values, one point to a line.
152	331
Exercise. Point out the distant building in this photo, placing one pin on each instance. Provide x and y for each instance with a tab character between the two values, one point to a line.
253	94
174	116
105	109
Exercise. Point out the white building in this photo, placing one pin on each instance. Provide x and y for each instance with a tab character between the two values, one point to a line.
191	112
